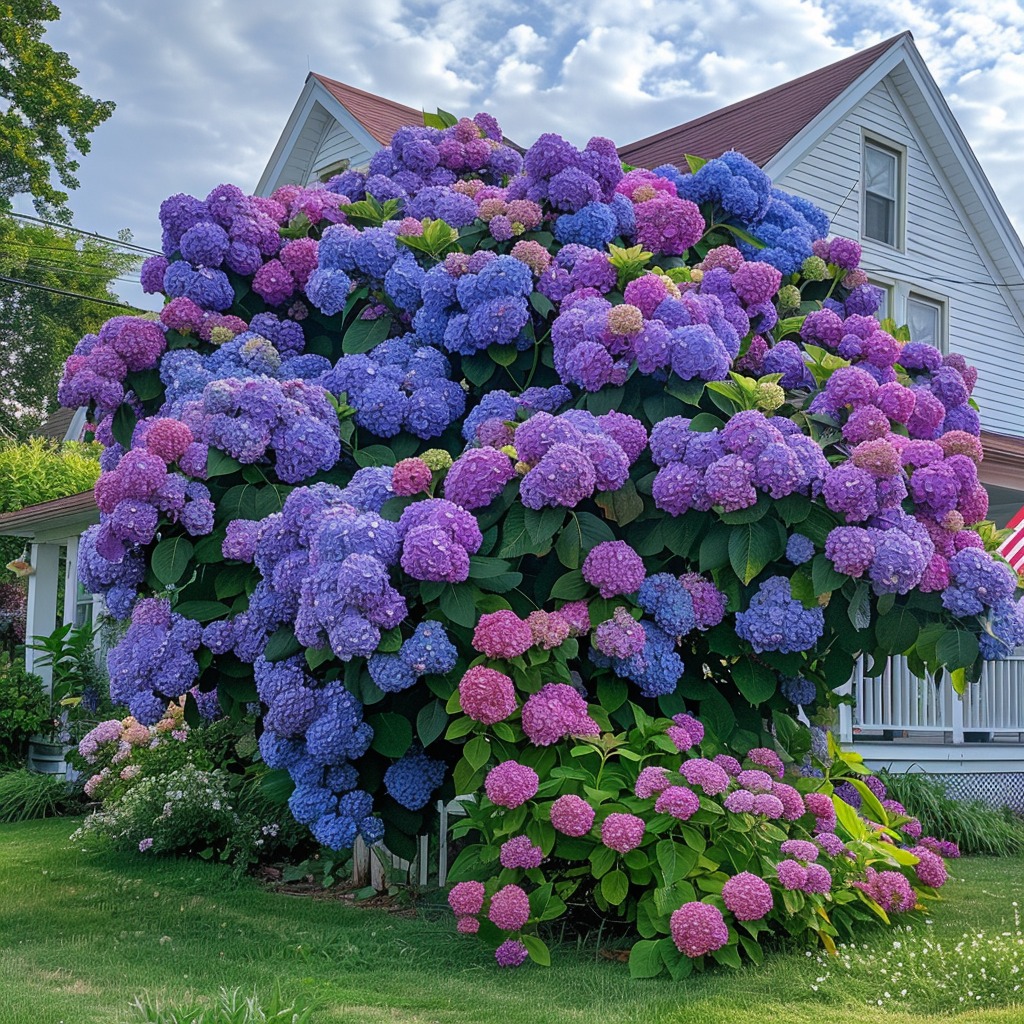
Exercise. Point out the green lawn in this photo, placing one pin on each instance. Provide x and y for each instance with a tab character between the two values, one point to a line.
82	931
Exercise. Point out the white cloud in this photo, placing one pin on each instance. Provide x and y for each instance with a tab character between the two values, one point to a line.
204	87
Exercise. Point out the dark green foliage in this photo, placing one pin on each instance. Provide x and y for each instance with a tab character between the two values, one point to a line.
25	795
975	827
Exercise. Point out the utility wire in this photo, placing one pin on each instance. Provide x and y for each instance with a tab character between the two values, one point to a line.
90	234
73	295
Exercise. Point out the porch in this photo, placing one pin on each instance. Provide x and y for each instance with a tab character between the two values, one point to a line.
975	743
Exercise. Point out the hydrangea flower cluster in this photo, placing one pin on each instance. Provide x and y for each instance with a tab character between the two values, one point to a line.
727	468
398	386
570	456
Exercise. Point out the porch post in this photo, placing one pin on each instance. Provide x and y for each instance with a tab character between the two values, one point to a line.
845	710
41	615
71	580
958	718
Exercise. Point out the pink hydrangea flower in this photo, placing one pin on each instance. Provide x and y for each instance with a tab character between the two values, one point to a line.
930	869
792	801
698	928
680	802
578	616
511	953
740	802
791	874
466	898
801	849
614	568
487	695
553	713
572	815
747	896
765	757
510	784
819	879
821	806
502	634
651	780
510	908
769	805
622	832
729	763
467	925
549	629
711	777
519	852
410	476
755	780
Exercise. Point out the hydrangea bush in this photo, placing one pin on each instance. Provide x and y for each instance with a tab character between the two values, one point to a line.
485	474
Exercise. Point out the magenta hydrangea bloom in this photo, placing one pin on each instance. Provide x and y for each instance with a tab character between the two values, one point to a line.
747	896
651	781
766	758
510	908
577	615
889	889
410	476
792	875
519	852
755	780
511	953
510	784
711	777
729	763
555	712
477	477
572	815
502	634
801	849
622	832
466	898
467	925
929	869
614	568
768	804
819	879
679	801
487	695
698	929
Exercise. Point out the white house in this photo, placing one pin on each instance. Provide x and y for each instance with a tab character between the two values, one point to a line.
871	140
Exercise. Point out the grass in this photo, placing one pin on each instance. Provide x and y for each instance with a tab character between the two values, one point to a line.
83	932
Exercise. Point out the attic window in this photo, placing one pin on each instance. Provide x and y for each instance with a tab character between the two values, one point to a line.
883	170
338	167
925	319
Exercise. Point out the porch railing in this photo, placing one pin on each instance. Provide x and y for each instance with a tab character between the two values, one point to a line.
897	701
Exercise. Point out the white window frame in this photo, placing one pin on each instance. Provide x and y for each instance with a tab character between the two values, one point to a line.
887	310
899	198
940	304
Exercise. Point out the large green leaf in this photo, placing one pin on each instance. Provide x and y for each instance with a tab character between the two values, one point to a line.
202	611
363	335
645	959
957	649
621	506
570	587
458	603
752	546
170	559
824	575
755	681
515	538
898	631
431	722
392	733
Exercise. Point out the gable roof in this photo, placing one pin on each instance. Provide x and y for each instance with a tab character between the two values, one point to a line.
761	125
379	116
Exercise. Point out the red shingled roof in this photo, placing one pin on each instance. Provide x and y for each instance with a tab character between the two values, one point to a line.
380	117
760	125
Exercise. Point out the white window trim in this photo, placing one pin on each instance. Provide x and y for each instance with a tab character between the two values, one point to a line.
930	298
900	152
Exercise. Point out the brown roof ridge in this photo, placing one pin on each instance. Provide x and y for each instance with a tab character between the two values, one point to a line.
380	116
760	125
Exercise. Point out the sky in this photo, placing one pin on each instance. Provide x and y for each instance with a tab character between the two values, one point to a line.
203	88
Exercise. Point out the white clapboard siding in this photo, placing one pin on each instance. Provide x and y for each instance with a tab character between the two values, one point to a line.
336	144
940	258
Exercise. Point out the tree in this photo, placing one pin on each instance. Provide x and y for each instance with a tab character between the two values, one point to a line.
39	327
44	110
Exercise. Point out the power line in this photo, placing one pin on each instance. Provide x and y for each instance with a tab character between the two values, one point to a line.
72	295
10	242
90	234
78	271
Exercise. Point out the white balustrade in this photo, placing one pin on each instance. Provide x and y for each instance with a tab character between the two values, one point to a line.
899	701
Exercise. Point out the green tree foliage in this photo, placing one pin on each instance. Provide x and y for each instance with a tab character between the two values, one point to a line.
39	327
45	111
43	470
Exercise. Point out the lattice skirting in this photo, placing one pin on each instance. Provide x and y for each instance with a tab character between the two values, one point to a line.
999	789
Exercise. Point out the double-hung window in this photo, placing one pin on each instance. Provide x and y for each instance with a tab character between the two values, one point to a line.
883	174
926	320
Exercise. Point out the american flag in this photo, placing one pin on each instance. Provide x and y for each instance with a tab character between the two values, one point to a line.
1012	549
